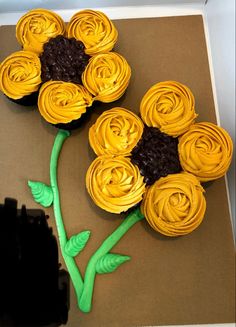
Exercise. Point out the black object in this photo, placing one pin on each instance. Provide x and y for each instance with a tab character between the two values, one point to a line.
33	290
27	100
156	155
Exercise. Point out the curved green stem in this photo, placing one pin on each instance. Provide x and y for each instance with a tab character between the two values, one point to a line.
85	302
69	261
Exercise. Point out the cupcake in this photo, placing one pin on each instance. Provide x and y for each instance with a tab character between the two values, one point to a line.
20	77
115	132
174	205
94	29
63	104
36	27
206	150
77	58
114	183
169	106
107	76
63	59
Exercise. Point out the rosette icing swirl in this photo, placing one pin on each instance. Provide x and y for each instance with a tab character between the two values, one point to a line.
107	76
205	151
169	106
116	131
20	74
175	204
36	27
62	102
114	183
94	29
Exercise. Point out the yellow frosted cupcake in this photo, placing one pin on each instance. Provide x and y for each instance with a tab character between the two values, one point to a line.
114	183
115	132
36	27
174	205
107	76
169	106
20	77
63	103
205	150
94	29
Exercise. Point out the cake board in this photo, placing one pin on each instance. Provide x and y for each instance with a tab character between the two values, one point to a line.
169	281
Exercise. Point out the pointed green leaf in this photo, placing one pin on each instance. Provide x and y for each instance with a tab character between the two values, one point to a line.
76	243
110	262
42	193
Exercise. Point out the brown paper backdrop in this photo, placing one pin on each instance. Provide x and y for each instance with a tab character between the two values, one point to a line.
183	280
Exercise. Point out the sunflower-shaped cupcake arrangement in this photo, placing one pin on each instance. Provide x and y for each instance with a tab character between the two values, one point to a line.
158	161
64	68
150	167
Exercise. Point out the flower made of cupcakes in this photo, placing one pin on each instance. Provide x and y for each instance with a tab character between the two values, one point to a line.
78	56
159	161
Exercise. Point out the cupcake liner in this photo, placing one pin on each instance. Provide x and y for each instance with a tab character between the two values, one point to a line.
74	124
27	100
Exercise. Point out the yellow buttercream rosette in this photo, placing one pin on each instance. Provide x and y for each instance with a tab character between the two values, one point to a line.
36	27
114	183
115	132
175	205
20	74
107	76
62	102
94	29
205	151
169	106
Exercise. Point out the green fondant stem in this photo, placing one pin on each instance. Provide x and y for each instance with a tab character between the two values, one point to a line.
69	261
85	302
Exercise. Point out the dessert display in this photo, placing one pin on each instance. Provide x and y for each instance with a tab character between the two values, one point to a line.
79	55
173	202
149	166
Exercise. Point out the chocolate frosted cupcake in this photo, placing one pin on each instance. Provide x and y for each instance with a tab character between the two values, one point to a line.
36	27
156	155
63	104
107	76
63	59
20	77
94	29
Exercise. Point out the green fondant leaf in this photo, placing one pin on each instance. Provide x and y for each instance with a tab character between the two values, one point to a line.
76	243
110	262
42	193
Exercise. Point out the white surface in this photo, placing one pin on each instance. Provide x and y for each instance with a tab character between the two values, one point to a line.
121	12
23	5
219	21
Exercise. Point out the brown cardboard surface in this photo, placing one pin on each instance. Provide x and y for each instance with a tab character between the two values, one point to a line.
181	280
